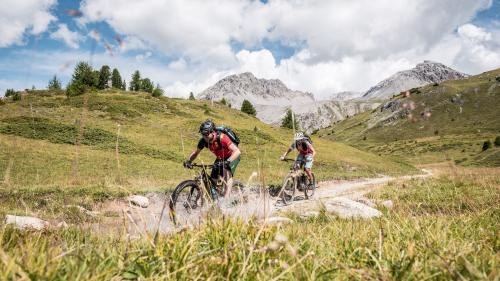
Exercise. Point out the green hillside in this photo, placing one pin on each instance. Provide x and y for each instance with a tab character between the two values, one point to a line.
437	122
51	145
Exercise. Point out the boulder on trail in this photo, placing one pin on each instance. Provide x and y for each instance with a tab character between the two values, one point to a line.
139	200
23	222
347	208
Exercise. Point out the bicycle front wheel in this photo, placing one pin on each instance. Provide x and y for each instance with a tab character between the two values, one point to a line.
288	190
186	202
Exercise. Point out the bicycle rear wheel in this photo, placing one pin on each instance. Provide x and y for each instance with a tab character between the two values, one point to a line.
288	190
310	187
186	202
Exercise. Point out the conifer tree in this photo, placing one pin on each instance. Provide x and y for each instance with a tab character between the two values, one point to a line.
116	79
248	108
104	77
289	121
135	83
54	84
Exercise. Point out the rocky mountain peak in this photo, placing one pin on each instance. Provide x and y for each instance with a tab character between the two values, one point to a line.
422	74
246	85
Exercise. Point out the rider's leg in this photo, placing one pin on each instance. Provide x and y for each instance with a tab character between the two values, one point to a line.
229	183
308	167
309	174
228	175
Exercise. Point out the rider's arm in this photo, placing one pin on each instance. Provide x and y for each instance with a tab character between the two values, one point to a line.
287	151
194	155
199	147
236	152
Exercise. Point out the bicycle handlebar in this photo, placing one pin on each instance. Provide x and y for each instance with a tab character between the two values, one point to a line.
202	165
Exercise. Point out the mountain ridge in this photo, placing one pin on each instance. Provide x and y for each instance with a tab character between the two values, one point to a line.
424	73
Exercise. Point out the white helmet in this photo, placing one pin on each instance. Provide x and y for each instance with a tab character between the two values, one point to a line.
298	136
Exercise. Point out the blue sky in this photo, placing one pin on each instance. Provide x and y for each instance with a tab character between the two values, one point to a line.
317	46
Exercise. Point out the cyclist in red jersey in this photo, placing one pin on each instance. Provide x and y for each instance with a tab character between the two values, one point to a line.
306	153
226	152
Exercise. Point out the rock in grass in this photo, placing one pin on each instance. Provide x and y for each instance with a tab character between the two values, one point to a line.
366	201
347	208
278	220
139	200
62	224
22	222
309	214
387	203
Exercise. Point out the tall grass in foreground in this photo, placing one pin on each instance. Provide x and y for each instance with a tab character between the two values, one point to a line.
440	229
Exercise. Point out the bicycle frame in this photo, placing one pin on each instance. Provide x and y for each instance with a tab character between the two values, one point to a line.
296	169
205	181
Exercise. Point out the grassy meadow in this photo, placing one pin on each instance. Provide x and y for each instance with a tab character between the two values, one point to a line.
444	228
438	122
57	151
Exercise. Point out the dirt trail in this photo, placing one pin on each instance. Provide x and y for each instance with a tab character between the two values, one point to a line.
352	189
137	221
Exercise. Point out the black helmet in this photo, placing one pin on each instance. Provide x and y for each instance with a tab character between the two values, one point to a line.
207	127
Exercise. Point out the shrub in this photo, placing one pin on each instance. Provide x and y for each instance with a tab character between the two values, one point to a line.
191	96
248	108
435	84
1	101
9	92
158	91
497	78
486	145
147	85
415	91
206	109
16	96
75	88
223	101
497	141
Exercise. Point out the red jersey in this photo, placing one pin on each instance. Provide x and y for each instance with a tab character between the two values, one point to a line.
222	152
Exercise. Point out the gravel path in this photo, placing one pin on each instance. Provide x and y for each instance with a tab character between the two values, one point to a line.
137	221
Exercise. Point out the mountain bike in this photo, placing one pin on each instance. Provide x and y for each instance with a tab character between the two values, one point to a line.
190	196
296	179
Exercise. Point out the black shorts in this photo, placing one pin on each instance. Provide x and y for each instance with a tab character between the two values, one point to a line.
220	170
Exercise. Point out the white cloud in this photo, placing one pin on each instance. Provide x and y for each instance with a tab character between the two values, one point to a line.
331	29
341	45
474	33
143	56
71	38
18	17
199	29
